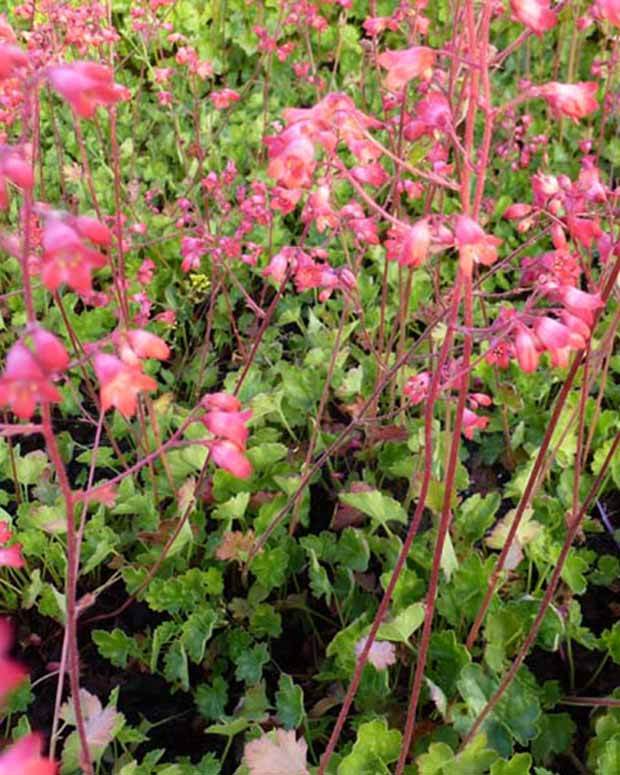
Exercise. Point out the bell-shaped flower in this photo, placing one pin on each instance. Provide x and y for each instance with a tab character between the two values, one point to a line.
24	757
410	246
573	100
16	169
85	86
535	14
139	344
607	10
526	350
12	674
471	422
66	259
26	382
474	245
229	425
404	65
230	457
120	383
12	58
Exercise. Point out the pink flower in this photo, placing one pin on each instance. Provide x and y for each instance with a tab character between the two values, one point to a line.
404	65
281	754
474	245
11	59
607	10
573	100
527	352
410	246
517	210
66	259
11	556
92	229
231	458
552	334
472	421
16	169
11	673
120	383
224	99
382	654
229	425
24	757
25	382
416	387
137	344
500	354
221	401
291	158
535	14
85	86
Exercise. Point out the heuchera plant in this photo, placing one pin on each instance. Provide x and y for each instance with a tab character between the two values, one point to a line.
369	238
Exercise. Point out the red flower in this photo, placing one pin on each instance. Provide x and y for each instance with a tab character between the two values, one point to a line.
120	383
404	65
573	100
85	85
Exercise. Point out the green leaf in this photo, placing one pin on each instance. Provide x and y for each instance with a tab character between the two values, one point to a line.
611	641
403	625
379	507
517	711
115	646
520	764
476	515
319	580
270	567
376	746
176	669
473	760
250	664
353	551
265	621
289	702
556	732
197	630
211	698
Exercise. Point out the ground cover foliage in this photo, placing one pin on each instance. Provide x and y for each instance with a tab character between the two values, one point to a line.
310	398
